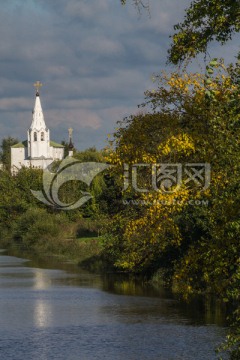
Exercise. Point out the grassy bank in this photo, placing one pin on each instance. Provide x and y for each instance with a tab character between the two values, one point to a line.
84	252
39	232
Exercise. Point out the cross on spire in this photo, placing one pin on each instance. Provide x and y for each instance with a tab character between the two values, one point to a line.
38	85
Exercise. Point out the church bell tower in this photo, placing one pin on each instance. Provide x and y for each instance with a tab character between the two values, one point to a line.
38	133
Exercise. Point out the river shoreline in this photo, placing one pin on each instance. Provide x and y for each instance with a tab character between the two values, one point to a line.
215	310
51	298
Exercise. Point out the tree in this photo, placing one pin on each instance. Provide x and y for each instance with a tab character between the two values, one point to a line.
5	154
191	118
205	20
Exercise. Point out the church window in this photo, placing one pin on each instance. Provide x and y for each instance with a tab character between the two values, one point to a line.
42	136
35	136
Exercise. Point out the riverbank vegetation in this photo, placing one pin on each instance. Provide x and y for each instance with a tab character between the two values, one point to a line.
200	122
190	119
179	226
27	223
186	236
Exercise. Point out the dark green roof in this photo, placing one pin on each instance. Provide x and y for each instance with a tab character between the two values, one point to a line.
23	144
54	144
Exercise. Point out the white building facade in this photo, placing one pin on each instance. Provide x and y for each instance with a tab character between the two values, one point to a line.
38	151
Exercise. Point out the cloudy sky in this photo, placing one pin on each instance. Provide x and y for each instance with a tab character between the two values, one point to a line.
94	57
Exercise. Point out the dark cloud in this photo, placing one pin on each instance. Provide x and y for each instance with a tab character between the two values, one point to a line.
95	59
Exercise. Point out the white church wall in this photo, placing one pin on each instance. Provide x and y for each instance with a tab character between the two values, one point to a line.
17	157
40	163
57	153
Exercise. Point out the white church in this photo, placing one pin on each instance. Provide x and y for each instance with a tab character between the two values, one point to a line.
38	151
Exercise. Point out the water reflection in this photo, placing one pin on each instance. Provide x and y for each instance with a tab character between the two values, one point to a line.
42	313
71	314
207	310
124	284
41	281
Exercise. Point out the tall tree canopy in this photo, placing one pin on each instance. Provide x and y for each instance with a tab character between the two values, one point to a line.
5	152
205	20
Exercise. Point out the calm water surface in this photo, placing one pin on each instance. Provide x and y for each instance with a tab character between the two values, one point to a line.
70	314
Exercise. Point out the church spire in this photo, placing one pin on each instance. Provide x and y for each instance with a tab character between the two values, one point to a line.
38	122
38	134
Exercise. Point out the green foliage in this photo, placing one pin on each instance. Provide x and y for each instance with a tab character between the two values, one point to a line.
37	225
205	20
5	154
101	188
90	154
12	203
87	228
190	118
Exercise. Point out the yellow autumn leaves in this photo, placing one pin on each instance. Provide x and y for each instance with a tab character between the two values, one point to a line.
180	128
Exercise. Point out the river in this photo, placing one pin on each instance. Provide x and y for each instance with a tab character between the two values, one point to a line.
64	313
